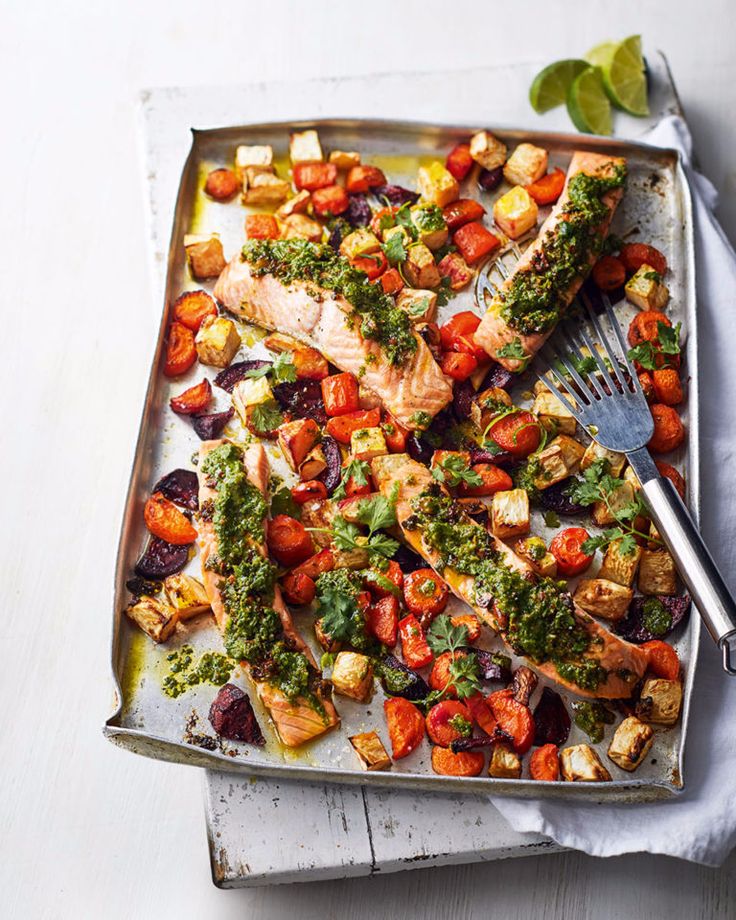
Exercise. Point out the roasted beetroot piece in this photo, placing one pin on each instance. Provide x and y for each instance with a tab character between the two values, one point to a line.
490	179
335	237
212	425
483	741
161	559
555	498
408	560
524	684
551	719
493	666
462	399
503	458
180	487
398	680
418	448
331	476
662	613
301	399
232	375
497	376
232	716
359	212
143	586
395	194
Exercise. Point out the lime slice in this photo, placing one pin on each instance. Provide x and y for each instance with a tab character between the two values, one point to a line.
601	54
588	104
624	77
551	85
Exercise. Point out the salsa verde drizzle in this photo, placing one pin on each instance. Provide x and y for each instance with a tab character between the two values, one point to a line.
533	303
254	632
298	260
540	616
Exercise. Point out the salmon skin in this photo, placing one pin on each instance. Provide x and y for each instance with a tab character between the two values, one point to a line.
323	320
296	721
624	662
494	332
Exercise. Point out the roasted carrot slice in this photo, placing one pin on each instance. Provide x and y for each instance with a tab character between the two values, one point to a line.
663	659
195	399
514	718
448	721
669	432
192	307
181	352
164	520
221	184
288	540
544	763
405	726
464	763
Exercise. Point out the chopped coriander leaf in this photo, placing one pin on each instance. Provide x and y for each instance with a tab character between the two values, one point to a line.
358	470
551	519
266	417
445	292
394	249
653	276
283	369
454	469
419	307
513	349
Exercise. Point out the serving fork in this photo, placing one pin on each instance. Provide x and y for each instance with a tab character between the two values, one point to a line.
609	403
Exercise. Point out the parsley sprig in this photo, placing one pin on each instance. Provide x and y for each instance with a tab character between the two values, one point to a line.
283	369
657	354
464	671
376	513
266	417
454	469
359	470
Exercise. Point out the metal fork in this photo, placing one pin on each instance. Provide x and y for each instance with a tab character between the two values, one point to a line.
610	404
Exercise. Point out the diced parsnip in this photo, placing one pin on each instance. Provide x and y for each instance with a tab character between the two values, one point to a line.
534	551
505	763
304	147
433	238
301	227
632	479
555	417
581	764
370	750
249	393
594	452
326	642
356	558
296	439
261	188
437	184
510	513
345	159
646	289
258	156
421	305
217	341
657	572
660	701
281	342
604	514
525	165
516	212
456	270
603	598
155	617
204	255
360	242
320	516
367	443
297	204
352	675
630	743
484	407
391	232
559	459
313	464
620	567
487	150
186	595
420	268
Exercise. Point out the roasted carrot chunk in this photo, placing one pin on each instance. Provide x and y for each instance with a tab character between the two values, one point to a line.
461	212
448	721
191	309
332	200
308	491
393	574
514	718
221	184
547	189
164	520
394	433
644	326
663	659
494	480
470	622
609	273
669	432
299	590
440	677
566	547
544	763
475	242
374	265
457	334
481	712
459	162
382	620
361	179
414	647
261	227
669	472
312	176
634	255
647	385
288	540
181	352
309	363
391	281
405	726
342	427
667	386
195	399
464	763
340	394
458	365
323	561
425	593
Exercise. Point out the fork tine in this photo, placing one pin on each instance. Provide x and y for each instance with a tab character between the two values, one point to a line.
635	382
551	369
591	384
615	370
598	360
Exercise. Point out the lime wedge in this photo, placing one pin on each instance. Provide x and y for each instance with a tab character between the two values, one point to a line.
551	85
624	77
588	104
601	54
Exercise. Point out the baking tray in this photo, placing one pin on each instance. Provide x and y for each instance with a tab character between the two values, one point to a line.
657	206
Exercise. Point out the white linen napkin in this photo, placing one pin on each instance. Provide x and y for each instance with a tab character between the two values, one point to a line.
700	824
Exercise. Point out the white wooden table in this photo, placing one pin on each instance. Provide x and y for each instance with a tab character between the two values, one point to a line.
86	829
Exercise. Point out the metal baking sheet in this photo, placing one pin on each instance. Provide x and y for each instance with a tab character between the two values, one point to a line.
146	721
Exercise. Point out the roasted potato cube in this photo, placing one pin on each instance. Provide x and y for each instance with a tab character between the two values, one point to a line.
525	165
420	268
630	743
367	443
505	763
186	595
456	270
581	764
555	416
510	513
620	567
297	204
155	617
594	452
484	406
326	641
313	464
258	156
370	750
646	289
296	440
263	187
250	393
304	147
352	675
204	255
345	159
357	558
437	184
217	341
515	212
487	150
559	459
534	551
603	598
360	242
301	227
632	479
618	498
430	225
421	305
390	232
663	701
657	572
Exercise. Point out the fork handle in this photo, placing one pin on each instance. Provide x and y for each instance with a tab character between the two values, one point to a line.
696	566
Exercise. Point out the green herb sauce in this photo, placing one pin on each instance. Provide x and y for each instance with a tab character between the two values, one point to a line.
211	668
656	617
591	717
428	218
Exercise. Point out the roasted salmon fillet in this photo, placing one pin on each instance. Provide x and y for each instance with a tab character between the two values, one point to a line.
296	721
496	333
623	662
412	392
